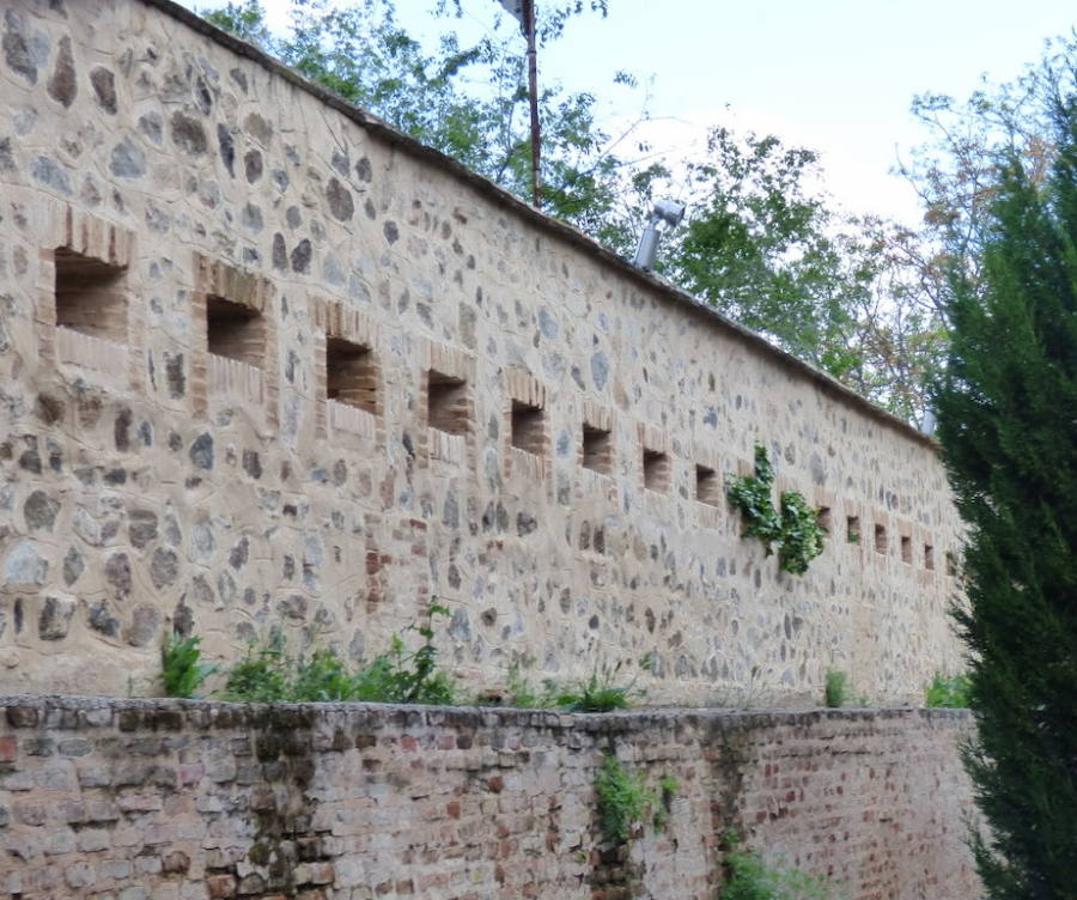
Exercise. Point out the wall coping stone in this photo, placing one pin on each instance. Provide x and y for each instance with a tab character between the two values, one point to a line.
70	711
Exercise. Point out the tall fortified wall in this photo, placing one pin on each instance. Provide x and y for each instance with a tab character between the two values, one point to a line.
263	360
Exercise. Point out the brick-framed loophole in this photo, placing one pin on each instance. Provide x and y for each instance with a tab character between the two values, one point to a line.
527	428
347	373
597	449
351	374
90	296
882	541
708	485
235	331
235	338
906	549
656	470
83	312
448	406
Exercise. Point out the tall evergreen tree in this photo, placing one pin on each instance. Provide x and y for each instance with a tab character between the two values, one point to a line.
1008	427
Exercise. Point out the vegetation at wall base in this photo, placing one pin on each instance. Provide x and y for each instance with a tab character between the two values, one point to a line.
795	529
1007	410
182	671
947	692
836	691
267	674
599	693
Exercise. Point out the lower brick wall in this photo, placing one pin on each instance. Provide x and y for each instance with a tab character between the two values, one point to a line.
134	799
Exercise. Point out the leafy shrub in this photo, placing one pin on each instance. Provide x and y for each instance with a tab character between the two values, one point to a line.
751	495
948	692
267	674
749	878
837	688
801	536
623	800
182	671
795	529
262	675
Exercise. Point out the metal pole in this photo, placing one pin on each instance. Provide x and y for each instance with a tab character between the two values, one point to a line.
532	77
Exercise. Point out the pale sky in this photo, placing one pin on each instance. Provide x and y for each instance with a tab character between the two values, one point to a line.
834	75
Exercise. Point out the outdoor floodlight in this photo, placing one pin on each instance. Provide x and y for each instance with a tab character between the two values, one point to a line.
669	211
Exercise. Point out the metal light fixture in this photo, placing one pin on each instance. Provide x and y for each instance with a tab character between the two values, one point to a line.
669	211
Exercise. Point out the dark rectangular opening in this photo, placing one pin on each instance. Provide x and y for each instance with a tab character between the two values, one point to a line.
528	428
447	403
881	544
351	375
90	296
906	550
235	331
708	486
929	557
655	471
824	518
597	449
852	529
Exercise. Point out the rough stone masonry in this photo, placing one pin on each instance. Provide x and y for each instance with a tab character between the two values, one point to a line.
163	800
264	361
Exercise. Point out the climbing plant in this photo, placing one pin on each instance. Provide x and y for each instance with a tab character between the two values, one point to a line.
794	529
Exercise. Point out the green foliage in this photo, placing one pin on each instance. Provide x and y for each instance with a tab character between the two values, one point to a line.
1007	410
751	494
667	793
747	877
795	529
948	692
761	246
836	692
182	671
623	800
262	676
520	693
268	675
600	693
361	52
801	536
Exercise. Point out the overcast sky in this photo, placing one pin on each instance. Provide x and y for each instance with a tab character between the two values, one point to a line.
835	75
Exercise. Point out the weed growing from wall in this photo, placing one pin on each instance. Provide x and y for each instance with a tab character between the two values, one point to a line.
836	692
268	674
795	529
623	801
667	793
182	671
600	693
952	693
747	877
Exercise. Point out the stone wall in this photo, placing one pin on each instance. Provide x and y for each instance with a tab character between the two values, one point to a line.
264	361
174	799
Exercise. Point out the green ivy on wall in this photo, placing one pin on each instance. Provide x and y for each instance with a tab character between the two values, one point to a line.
794	529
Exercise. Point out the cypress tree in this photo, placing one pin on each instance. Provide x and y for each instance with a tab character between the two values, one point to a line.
1007	409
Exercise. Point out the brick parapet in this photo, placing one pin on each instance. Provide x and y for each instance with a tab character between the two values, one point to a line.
169	797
